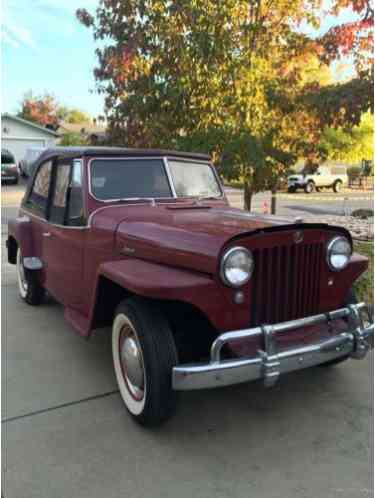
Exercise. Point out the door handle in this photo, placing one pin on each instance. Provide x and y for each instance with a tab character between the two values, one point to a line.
46	234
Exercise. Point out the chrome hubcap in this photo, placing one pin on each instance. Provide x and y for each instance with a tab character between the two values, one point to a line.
132	362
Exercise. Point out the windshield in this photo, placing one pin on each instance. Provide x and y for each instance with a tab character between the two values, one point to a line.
116	179
129	178
194	179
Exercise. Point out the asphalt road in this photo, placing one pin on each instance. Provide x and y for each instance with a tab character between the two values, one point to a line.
66	433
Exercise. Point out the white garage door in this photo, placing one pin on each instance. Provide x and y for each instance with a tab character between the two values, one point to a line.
18	146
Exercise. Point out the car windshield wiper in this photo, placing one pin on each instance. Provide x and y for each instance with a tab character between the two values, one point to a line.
150	199
208	198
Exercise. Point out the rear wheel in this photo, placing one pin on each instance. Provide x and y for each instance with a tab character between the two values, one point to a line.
337	186
29	288
144	354
291	190
309	187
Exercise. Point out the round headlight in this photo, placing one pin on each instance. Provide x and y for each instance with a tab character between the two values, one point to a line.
339	252
237	265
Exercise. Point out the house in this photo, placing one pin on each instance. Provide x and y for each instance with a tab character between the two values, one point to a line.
91	133
17	135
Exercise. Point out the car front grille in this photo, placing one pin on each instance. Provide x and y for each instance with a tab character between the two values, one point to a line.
285	284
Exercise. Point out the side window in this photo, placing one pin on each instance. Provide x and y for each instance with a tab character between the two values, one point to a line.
67	205
38	198
75	216
58	205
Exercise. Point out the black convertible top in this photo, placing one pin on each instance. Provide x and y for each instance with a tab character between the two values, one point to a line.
77	152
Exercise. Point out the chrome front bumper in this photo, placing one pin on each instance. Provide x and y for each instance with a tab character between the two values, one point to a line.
270	363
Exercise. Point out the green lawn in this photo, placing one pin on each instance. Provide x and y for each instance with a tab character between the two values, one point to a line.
364	286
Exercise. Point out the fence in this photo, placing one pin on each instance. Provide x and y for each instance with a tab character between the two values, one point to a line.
361	182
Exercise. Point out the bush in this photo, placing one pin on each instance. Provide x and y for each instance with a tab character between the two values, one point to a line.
73	139
364	285
363	213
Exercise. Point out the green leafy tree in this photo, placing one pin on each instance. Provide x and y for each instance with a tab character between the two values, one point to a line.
72	115
349	146
236	79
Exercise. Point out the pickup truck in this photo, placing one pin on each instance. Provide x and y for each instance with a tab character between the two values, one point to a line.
325	177
198	294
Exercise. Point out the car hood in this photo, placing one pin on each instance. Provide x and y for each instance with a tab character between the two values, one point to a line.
295	177
179	235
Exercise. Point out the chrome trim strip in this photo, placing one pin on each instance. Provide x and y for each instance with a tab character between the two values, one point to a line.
170	179
32	263
271	363
33	215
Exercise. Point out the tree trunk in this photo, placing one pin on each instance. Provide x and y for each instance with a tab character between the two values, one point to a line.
273	199
248	195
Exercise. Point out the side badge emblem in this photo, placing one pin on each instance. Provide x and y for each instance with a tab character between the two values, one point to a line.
298	237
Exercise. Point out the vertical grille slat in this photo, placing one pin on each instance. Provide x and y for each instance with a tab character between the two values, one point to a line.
286	283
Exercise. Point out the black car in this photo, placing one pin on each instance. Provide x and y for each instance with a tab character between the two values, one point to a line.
9	169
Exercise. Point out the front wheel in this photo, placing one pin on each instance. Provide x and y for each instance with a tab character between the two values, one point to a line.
144	354
309	187
291	190
29	288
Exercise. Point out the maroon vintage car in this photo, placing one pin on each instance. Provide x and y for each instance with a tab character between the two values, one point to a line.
198	294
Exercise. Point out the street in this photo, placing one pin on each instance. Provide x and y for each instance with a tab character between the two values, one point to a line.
67	434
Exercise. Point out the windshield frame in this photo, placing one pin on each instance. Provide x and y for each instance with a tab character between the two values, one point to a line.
164	160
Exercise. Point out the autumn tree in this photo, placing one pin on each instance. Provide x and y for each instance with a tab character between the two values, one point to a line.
42	110
234	79
46	111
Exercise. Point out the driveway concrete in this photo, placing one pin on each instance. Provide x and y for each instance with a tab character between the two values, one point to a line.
67	435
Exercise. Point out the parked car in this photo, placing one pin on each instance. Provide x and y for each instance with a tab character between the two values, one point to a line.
198	294
9	170
27	163
334	177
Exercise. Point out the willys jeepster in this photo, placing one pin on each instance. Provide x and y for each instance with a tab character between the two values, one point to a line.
198	294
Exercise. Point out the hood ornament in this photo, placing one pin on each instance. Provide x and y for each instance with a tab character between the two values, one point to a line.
298	236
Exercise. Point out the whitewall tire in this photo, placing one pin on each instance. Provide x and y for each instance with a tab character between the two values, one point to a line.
144	355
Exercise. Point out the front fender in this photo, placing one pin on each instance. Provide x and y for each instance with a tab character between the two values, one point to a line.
19	229
158	281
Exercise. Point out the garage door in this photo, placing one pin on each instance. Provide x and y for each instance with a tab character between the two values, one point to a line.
18	146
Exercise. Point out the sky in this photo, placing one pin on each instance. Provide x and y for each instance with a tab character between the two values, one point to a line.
45	49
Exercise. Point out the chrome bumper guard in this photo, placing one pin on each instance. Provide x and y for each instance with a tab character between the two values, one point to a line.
269	363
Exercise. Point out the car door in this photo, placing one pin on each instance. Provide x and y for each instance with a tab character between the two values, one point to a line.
321	177
64	238
35	206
